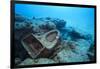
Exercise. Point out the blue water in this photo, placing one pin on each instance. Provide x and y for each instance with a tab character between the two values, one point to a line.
80	18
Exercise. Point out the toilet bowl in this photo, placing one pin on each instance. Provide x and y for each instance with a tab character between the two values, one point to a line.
40	45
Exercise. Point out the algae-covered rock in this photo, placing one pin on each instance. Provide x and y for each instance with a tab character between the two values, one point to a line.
30	61
70	33
45	61
66	56
19	18
82	46
74	51
27	61
22	22
59	23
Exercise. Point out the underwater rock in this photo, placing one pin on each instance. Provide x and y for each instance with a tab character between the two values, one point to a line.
91	52
48	26
59	23
22	22
66	56
48	18
71	45
17	60
82	46
75	35
33	17
64	34
27	61
45	61
74	51
20	33
30	61
41	27
19	18
21	25
70	33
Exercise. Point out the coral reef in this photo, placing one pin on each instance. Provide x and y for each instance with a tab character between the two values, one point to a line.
70	46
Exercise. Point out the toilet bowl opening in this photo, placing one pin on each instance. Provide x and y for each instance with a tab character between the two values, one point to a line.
52	36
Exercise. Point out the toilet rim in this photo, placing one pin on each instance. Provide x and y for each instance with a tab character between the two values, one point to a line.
50	32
